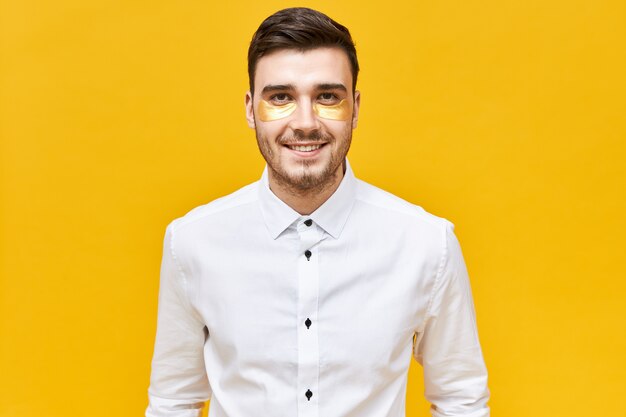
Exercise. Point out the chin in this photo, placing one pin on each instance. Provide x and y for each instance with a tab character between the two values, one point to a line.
307	177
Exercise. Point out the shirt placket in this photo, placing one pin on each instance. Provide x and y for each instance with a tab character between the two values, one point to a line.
308	293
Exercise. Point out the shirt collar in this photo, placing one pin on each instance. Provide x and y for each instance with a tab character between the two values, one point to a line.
330	216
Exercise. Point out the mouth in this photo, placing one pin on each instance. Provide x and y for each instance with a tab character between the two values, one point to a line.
305	150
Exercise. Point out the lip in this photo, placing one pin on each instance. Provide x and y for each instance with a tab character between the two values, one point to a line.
304	154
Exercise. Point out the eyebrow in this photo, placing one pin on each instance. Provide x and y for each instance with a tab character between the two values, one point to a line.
277	87
290	87
331	87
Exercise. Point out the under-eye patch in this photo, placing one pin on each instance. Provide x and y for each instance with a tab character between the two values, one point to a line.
268	112
339	111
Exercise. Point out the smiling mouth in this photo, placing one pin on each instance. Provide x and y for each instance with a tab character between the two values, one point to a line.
305	148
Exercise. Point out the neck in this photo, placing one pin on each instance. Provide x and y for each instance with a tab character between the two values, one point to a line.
305	201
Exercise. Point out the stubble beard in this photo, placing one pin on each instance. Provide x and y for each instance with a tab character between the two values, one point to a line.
306	181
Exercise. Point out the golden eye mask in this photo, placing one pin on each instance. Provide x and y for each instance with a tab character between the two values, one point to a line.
339	111
268	112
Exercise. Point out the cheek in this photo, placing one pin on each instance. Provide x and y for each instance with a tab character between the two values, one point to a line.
271	132
267	130
341	131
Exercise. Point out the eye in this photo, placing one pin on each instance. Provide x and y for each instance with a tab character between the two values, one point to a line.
280	99
328	98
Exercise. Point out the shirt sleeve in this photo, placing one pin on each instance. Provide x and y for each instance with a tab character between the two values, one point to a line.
447	346
179	386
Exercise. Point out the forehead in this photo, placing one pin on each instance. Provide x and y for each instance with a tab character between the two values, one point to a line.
303	69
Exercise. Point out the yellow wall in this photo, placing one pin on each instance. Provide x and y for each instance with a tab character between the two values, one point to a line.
507	117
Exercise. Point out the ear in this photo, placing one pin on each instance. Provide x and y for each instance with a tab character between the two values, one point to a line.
355	108
249	110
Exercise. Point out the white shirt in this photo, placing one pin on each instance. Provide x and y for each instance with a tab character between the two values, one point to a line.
269	313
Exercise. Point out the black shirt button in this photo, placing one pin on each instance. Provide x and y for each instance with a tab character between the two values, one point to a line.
308	322
308	222
307	253
308	394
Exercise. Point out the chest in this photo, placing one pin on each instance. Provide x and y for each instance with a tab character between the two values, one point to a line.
364	300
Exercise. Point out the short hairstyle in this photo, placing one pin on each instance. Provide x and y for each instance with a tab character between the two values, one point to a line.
302	29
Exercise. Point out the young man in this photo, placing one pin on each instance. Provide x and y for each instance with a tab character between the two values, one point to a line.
305	293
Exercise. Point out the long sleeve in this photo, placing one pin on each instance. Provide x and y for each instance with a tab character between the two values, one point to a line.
178	382
448	348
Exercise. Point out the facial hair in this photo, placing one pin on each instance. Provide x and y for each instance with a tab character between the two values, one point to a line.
306	181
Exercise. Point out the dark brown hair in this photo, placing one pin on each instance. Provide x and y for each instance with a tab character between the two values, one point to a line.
301	29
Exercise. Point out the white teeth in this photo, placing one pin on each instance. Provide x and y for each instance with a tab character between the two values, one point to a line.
305	148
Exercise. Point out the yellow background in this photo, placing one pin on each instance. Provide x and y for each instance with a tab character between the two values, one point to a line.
506	117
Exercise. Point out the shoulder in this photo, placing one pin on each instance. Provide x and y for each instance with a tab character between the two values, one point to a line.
399	210
403	225
218	209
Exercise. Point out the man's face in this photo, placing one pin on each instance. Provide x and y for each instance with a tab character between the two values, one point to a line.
305	148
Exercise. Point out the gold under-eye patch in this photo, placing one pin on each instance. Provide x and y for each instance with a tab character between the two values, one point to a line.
339	111
268	112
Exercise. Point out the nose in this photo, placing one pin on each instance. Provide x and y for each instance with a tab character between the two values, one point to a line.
304	119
